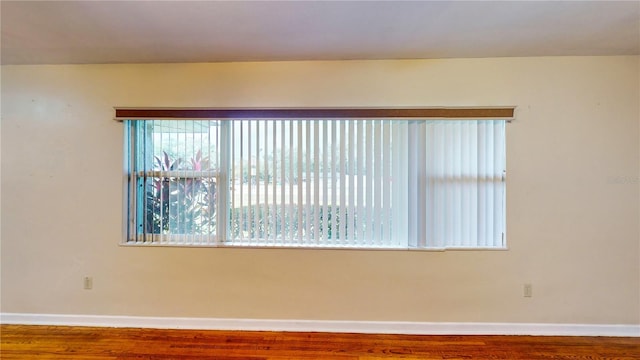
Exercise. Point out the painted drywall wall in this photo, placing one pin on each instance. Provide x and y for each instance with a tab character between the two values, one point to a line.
572	223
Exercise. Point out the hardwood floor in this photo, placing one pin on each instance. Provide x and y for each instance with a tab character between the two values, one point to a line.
54	342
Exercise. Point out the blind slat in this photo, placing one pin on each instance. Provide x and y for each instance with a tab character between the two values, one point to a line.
343	200
386	213
325	182
368	173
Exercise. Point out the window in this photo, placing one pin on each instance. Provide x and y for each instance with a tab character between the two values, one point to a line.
316	178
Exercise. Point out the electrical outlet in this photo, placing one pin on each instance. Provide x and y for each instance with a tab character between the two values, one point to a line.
88	283
528	290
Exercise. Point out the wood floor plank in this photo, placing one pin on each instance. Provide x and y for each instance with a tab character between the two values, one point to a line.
90	343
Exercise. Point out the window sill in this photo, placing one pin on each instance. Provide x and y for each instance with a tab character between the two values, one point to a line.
307	247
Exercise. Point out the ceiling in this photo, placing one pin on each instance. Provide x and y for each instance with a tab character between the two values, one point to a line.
72	32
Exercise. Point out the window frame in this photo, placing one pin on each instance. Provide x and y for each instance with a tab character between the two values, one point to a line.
222	114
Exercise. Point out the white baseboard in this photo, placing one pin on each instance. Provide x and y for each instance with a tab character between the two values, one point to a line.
365	327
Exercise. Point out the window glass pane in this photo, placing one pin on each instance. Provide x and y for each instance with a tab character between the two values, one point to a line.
178	167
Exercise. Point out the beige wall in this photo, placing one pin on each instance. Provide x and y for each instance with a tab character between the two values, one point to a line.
572	221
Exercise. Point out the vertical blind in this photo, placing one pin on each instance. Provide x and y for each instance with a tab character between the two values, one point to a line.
464	184
312	183
355	183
